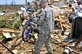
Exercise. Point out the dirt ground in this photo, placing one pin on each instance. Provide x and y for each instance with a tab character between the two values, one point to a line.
27	48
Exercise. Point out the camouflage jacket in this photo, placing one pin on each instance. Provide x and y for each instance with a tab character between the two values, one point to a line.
46	19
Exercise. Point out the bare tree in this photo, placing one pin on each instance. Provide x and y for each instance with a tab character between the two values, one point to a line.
6	2
12	3
25	2
38	0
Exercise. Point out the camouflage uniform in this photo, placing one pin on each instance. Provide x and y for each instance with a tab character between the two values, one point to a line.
46	22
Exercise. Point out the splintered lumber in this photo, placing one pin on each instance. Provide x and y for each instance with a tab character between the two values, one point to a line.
63	21
72	50
9	30
6	48
15	42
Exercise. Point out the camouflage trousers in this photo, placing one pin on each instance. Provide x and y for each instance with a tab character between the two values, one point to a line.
44	38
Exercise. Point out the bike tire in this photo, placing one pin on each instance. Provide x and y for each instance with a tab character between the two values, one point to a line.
23	33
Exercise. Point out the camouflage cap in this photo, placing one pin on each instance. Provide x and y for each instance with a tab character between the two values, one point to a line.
43	1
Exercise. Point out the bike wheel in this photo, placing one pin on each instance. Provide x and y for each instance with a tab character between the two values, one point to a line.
25	34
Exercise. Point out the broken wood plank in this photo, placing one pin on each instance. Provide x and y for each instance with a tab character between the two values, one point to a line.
6	47
9	30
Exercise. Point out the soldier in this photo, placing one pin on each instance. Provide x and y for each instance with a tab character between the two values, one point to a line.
46	23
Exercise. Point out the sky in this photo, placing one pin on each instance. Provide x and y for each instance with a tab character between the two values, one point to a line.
3	2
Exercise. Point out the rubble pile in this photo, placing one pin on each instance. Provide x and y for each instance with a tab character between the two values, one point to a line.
61	31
